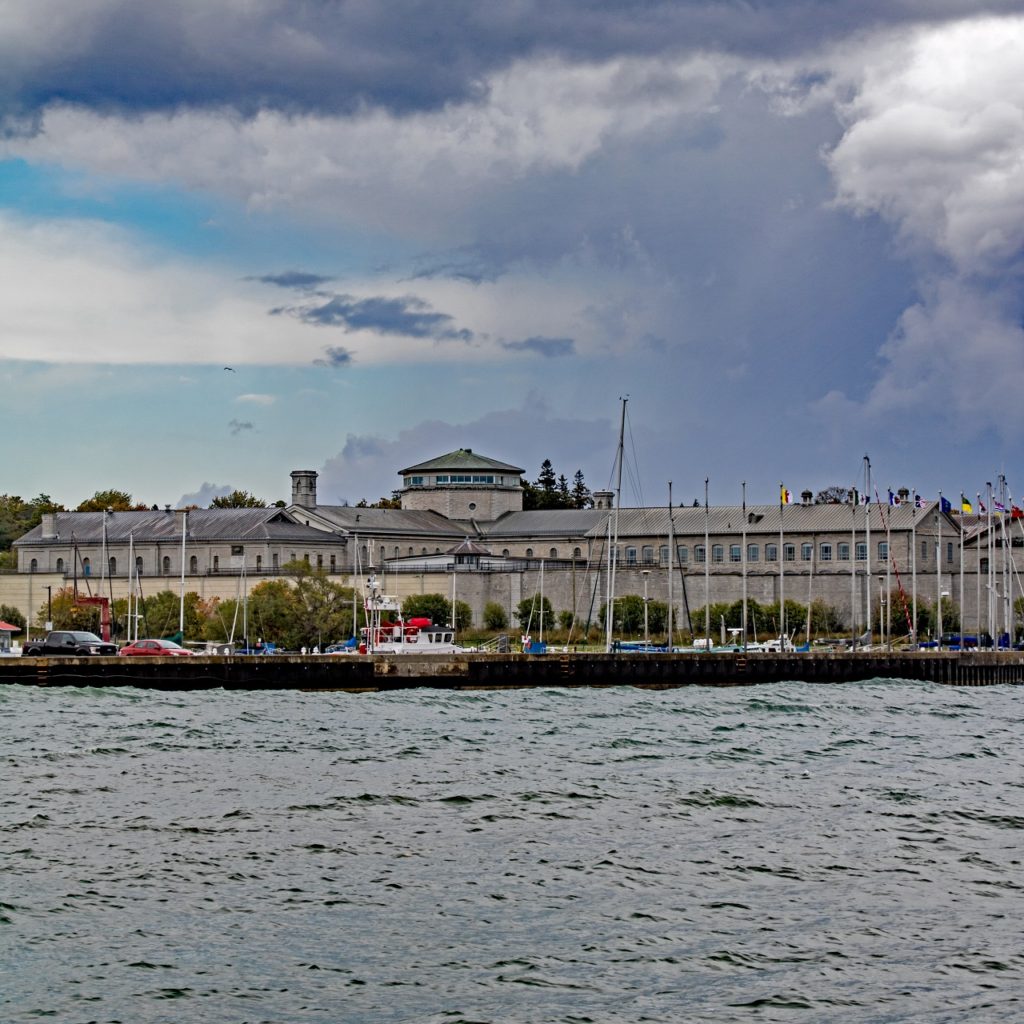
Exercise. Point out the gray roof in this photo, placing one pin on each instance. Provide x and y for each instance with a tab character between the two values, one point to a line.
387	521
689	520
462	459
204	524
552	522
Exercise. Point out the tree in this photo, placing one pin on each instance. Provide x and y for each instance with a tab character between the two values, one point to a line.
18	516
67	614
395	501
238	499
629	615
11	615
160	614
463	615
834	495
435	607
118	501
324	607
581	496
494	616
528	612
547	480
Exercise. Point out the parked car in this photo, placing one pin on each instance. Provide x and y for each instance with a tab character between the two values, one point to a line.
67	642
155	648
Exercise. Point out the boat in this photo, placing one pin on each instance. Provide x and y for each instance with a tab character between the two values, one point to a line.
387	632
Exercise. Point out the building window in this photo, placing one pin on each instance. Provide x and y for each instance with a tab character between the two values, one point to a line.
862	551
949	551
410	554
647	554
33	565
86	566
826	552
789	552
112	566
735	553
193	566
273	561
683	554
663	554
771	552
844	552
216	563
60	565
806	552
472	506
883	550
166	564
529	552
717	553
576	553
259	563
924	551
699	553
983	565
553	553
320	560
630	556
504	552
305	557
238	549
753	553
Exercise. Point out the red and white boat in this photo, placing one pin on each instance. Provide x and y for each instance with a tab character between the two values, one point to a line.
388	633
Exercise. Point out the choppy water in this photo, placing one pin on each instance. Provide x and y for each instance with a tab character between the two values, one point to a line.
779	853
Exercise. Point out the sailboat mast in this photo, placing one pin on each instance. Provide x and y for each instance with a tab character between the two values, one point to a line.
671	563
615	537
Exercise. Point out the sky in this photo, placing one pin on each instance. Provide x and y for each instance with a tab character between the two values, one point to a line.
242	237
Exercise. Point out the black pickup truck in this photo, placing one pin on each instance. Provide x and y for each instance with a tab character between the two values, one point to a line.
64	642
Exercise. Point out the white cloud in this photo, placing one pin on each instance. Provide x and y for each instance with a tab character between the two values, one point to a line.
257	399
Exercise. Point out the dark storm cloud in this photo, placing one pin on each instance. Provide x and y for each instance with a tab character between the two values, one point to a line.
335	355
292	279
550	348
406	316
303	55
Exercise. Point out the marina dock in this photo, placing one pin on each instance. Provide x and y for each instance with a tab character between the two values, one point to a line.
489	671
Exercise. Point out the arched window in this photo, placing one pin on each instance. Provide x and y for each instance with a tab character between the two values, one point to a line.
826	551
410	549
138	565
862	551
424	551
647	554
663	554
789	552
60	565
216	563
259	563
753	553
193	566
33	565
112	566
699	553
504	552
166	564
86	567
883	550
735	553
630	556
576	553
553	553
844	552
683	554
771	552
717	553
396	551
806	552
529	552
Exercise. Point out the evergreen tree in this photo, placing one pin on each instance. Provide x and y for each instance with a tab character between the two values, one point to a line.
581	496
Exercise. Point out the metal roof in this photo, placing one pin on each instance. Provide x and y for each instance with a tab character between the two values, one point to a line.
462	459
386	521
551	522
204	524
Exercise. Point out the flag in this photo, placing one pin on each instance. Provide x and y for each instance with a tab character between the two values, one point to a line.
919	501
981	506
894	499
965	505
945	505
998	506
785	498
1016	513
854	496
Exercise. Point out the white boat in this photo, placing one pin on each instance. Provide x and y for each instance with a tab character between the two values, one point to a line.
387	632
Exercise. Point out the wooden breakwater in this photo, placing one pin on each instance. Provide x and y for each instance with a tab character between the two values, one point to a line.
489	671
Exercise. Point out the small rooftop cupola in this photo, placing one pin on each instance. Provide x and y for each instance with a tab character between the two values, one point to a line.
604	500
806	497
463	485
304	488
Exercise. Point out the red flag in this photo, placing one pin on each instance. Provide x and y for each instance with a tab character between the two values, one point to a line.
1016	513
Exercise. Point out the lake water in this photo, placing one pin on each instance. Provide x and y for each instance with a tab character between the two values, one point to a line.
773	853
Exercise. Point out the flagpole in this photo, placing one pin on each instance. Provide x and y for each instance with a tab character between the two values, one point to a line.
888	580
913	565
962	616
938	574
867	538
989	578
782	570
977	577
671	564
707	569
853	572
1007	589
181	602
743	564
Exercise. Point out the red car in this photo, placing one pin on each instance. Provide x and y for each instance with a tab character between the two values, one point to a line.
159	648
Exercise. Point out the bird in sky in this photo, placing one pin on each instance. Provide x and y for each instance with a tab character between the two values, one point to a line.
230	369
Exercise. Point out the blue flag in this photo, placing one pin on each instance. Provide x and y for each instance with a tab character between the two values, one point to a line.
945	505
